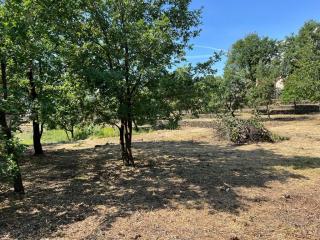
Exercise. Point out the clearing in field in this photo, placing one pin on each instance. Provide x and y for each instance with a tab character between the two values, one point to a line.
187	185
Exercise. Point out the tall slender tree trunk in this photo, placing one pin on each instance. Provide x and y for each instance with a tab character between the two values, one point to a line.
268	111
37	133
17	179
126	142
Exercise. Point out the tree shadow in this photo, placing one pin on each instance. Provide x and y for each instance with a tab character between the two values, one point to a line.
286	119
69	186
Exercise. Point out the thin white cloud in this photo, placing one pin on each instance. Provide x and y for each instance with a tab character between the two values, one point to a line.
198	56
209	47
203	56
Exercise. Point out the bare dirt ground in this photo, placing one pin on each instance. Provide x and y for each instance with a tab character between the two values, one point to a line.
187	185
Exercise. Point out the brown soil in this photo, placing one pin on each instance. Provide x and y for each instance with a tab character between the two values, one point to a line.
187	185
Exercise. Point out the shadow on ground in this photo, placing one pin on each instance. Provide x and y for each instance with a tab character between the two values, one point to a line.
286	119
68	186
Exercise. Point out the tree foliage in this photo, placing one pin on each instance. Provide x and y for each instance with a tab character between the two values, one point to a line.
303	81
122	51
12	104
246	54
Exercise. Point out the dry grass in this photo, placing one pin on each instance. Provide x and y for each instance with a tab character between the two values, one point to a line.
188	185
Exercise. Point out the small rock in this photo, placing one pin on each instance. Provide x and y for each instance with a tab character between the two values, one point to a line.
225	188
234	238
287	196
137	237
79	218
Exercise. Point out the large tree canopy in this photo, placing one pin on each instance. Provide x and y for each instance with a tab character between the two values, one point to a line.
122	49
243	80
303	56
246	54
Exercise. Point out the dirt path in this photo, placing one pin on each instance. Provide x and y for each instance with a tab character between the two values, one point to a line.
188	185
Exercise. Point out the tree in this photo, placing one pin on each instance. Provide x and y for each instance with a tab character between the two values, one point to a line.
244	81
264	92
223	94
122	49
303	81
11	106
179	92
168	99
70	107
38	58
233	89
247	53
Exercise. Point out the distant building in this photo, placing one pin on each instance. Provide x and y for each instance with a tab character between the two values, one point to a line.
279	86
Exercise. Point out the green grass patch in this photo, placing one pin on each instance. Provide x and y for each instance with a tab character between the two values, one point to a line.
49	136
59	136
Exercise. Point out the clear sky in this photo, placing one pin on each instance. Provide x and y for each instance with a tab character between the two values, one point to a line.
225	21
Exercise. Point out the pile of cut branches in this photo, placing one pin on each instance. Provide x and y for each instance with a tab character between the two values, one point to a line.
242	131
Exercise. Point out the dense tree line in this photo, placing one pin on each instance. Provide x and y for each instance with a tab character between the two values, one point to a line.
255	64
301	64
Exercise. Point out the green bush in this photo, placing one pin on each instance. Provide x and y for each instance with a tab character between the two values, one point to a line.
83	132
95	131
242	131
8	165
171	123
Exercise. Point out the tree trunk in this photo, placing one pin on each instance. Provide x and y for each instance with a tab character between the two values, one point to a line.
37	138
268	111
17	179
37	133
72	133
17	183
125	142
66	131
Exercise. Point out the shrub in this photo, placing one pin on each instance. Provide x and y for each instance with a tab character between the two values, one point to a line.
171	123
8	164
242	131
97	131
84	132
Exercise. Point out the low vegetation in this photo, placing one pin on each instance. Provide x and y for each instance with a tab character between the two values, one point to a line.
242	131
81	133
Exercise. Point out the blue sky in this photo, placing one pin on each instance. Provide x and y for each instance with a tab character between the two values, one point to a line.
225	21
